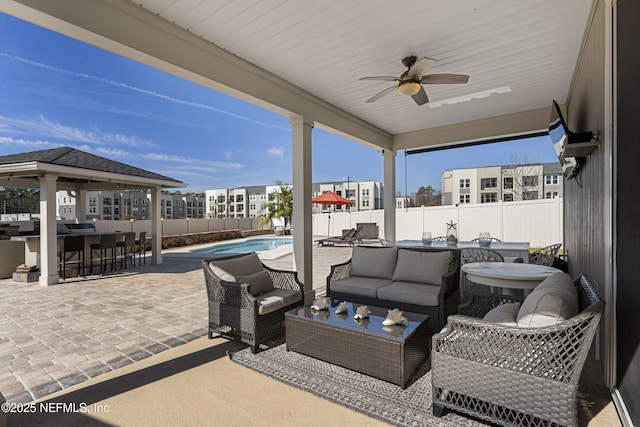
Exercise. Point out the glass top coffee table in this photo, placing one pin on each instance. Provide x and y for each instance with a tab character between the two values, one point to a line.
391	353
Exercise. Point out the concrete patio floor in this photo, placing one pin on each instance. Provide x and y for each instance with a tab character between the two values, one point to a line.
133	341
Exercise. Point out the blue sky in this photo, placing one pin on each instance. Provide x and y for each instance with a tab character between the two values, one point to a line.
56	91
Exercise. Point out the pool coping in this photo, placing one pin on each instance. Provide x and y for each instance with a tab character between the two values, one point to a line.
186	251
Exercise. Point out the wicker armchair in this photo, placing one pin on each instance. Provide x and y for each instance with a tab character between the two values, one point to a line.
468	255
545	256
509	375
236	313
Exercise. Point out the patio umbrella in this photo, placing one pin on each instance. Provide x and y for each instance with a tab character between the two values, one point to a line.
331	198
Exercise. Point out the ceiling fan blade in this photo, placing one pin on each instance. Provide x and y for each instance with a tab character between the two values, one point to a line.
421	97
385	78
381	94
420	68
434	79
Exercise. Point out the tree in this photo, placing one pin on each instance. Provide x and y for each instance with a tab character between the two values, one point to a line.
281	206
427	196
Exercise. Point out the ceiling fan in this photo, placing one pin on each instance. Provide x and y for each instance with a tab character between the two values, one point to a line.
410	82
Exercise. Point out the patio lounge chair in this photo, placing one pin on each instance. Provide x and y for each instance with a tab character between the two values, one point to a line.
247	299
349	237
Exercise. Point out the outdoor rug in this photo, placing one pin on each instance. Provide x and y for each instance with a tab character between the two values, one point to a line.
371	396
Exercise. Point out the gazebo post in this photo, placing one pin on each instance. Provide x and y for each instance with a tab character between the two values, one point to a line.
48	231
156	226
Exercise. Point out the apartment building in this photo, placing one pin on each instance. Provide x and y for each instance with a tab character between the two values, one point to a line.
252	202
129	204
501	183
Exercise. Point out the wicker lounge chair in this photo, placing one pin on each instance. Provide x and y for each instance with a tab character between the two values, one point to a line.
247	299
513	375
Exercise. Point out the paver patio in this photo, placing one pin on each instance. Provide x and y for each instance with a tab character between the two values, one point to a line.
57	336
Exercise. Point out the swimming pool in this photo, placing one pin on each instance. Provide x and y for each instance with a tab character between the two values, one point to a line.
253	245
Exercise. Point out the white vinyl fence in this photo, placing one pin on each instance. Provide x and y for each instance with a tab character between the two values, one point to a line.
538	222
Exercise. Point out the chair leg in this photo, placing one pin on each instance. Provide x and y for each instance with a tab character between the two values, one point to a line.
254	349
438	410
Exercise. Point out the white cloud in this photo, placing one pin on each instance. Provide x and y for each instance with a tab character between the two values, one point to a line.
43	127
276	151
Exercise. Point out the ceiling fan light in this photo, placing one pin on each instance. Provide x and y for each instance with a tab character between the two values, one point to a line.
409	87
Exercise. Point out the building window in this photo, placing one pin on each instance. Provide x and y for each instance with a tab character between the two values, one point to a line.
553	179
365	203
488	183
489	198
365	191
106	201
529	195
530	181
465	198
507	183
507	197
240	208
106	211
145	201
551	194
465	183
92	209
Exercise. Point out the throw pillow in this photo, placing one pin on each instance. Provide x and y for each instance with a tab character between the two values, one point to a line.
260	282
504	314
373	262
229	269
551	302
422	266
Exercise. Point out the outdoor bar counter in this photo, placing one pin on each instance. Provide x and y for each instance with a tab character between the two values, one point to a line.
32	243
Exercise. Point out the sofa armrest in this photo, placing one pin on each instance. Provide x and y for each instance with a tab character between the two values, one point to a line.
451	280
338	271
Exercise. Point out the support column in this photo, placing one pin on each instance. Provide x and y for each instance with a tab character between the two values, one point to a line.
389	195
156	226
48	232
302	215
81	206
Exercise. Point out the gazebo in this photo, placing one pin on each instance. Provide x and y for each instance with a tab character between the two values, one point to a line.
67	168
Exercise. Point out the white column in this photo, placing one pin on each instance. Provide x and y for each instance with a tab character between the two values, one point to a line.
302	216
81	206
389	195
156	226
48	231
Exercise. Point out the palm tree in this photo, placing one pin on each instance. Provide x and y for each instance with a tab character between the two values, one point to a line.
281	206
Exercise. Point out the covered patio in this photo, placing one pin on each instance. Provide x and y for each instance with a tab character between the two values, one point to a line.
304	60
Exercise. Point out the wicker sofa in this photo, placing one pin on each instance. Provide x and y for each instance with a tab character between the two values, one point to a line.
499	364
247	299
419	280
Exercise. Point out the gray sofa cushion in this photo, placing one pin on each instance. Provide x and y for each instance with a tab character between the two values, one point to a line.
411	293
422	266
551	302
356	285
260	282
373	262
276	299
230	269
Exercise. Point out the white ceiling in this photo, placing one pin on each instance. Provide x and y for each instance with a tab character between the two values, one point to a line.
304	57
522	53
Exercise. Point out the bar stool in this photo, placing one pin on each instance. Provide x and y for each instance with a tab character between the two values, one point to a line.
142	242
127	249
107	243
72	256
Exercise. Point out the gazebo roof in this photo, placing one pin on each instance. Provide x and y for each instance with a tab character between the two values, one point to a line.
77	169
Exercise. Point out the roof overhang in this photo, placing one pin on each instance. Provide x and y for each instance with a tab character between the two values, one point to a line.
28	175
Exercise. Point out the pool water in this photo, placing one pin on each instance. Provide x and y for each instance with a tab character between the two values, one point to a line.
254	245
